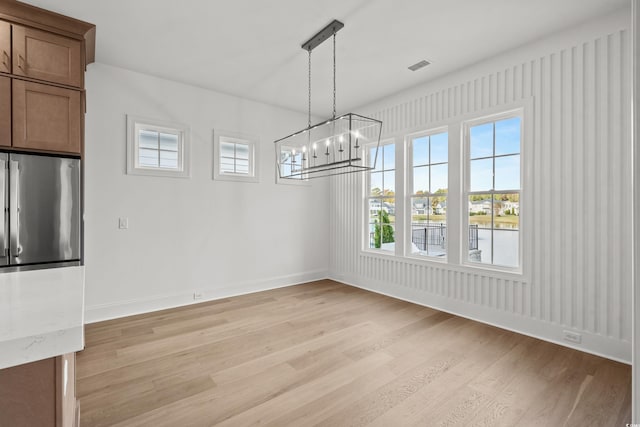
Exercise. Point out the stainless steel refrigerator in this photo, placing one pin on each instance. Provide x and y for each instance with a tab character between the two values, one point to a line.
41	226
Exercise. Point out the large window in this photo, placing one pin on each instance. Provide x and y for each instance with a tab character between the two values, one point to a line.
493	190
428	183
381	199
157	148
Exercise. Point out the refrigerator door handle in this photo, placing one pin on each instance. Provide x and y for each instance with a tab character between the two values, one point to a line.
3	207
14	206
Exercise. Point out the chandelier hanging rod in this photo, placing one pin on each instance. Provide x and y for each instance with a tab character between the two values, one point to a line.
322	35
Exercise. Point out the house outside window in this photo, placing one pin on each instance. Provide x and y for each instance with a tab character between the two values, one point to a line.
493	187
428	188
380	203
157	148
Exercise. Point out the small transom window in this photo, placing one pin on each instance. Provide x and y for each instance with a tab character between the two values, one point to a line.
235	157
157	148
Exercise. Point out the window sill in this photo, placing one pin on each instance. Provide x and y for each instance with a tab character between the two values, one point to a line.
509	273
235	178
376	253
428	259
158	172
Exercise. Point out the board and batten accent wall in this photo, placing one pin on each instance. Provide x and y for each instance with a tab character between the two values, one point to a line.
578	253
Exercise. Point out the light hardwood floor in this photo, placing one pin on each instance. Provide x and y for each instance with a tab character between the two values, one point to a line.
328	354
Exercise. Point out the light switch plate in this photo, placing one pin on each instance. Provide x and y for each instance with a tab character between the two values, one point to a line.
123	223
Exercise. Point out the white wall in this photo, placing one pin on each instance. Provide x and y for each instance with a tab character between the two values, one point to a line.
217	237
578	248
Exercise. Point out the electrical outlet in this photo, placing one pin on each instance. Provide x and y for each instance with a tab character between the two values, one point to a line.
197	295
123	223
572	337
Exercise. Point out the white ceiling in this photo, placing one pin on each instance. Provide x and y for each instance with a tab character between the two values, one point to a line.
251	48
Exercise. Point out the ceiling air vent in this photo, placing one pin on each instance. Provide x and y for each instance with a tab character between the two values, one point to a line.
418	65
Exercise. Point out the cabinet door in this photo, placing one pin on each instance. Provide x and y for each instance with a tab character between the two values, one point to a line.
46	117
5	47
46	56
5	111
28	394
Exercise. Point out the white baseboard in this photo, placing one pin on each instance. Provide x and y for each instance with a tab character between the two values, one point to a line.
598	345
100	312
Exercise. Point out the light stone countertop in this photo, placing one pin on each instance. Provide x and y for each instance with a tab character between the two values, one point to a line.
41	314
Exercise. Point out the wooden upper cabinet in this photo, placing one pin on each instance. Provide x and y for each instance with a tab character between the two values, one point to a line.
5	111
46	117
5	47
47	56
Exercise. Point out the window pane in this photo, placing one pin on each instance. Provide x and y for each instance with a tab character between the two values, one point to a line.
147	157
168	155
421	179
419	209
148	139
479	233
508	136
242	169
227	149
508	173
381	226
242	151
389	157
481	178
374	213
439	178
428	229
438	209
421	151
376	184
169	163
481	141
226	166
507	211
505	247
168	142
480	210
481	249
389	183
439	148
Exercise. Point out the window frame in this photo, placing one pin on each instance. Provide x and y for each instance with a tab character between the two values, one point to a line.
253	144
467	124
135	124
367	197
410	191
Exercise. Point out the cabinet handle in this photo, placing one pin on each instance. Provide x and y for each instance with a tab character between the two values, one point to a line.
5	58
21	62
